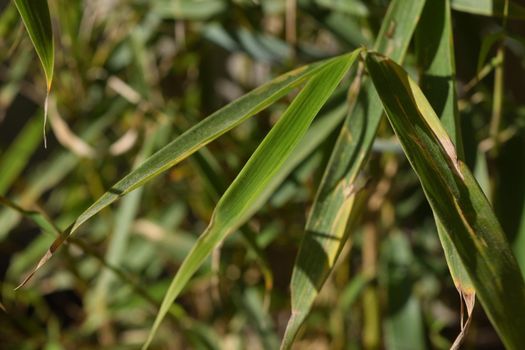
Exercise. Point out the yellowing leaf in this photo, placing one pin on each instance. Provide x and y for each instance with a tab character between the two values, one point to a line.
456	199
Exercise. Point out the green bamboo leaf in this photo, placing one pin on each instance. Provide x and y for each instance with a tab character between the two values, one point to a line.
317	133
35	15
211	173
435	51
489	8
436	55
36	18
192	140
456	199
327	226
236	205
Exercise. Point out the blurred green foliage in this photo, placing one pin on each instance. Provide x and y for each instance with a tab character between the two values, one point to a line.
130	76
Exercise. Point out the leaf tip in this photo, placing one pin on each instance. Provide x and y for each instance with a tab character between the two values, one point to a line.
42	261
468	296
46	107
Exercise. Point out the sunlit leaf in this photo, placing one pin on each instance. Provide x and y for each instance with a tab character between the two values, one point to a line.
195	138
326	228
236	205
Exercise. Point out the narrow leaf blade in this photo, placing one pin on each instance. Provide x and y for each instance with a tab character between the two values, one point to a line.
436	55
36	18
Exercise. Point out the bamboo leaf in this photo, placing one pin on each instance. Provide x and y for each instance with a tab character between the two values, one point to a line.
436	55
316	134
236	205
489	8
456	199
192	140
327	225
35	15
36	18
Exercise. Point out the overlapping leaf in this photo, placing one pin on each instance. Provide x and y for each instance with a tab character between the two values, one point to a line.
195	138
236	205
326	229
